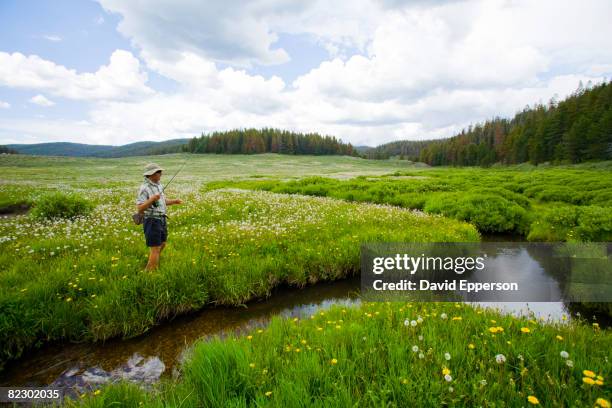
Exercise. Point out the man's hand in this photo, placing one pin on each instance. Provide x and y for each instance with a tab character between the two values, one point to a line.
155	197
175	201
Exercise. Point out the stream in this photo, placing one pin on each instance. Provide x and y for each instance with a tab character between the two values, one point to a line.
157	354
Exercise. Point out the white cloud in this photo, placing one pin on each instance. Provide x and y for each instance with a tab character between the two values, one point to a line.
52	37
397	69
4	105
41	100
121	79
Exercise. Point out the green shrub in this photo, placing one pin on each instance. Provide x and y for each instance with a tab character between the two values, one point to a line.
555	224
489	212
504	193
560	193
572	223
601	198
61	205
594	224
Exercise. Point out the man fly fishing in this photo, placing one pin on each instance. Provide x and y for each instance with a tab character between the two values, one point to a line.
152	204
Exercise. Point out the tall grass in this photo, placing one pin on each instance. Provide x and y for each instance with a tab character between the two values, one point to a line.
373	355
83	278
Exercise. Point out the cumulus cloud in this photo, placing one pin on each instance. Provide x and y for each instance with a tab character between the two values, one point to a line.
41	100
4	105
121	79
396	69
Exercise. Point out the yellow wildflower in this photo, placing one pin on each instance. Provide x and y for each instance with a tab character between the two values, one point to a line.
268	393
602	403
559	338
588	373
588	380
334	361
445	371
525	329
533	400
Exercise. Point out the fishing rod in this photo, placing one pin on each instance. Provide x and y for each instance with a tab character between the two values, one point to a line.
175	174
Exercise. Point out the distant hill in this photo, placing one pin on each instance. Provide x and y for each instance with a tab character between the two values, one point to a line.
87	150
362	149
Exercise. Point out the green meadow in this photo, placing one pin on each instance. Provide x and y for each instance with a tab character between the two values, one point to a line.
545	203
251	223
83	279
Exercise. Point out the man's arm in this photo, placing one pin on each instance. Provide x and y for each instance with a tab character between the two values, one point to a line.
174	201
147	203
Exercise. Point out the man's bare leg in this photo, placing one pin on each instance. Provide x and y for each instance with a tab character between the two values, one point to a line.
153	258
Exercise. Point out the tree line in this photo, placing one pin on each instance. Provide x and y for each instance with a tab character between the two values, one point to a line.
7	150
267	140
574	130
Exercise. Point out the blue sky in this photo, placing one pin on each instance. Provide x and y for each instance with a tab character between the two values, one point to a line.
367	71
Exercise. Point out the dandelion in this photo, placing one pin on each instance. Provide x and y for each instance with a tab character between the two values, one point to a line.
451	389
268	393
602	403
97	392
415	349
525	330
421	355
420	338
69	299
445	371
500	358
533	400
569	363
334	361
588	380
564	354
252	365
588	373
249	337
406	322
420	320
483	383
471	346
448	378
413	323
599	382
447	356
443	316
457	318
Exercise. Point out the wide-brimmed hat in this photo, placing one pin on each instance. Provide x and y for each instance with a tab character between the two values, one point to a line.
151	169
